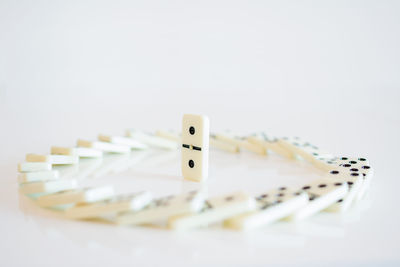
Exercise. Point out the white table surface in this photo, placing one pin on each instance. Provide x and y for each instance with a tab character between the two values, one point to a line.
328	72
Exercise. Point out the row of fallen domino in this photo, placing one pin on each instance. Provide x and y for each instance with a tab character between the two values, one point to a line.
345	183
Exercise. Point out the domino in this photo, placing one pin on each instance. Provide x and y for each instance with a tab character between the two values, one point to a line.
51	186
229	147
362	166
162	208
151	140
34	166
169	135
353	178
195	142
121	140
84	195
104	146
271	206
308	152
215	210
38	176
271	144
82	152
321	195
53	159
241	143
113	205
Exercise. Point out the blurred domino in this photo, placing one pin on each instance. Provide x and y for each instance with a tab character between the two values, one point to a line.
151	140
162	208
354	181
361	166
51	186
104	146
53	159
114	205
120	140
270	143
38	176
232	148
195	142
84	195
34	166
169	135
271	206
308	152
82	152
321	195
241	143
215	210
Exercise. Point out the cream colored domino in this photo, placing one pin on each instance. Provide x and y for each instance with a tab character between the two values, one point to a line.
354	181
113	205
232	148
121	140
169	135
83	195
195	143
151	140
242	143
162	208
307	151
34	166
215	210
321	195
271	206
53	159
82	152
38	176
358	165
271	144
104	146
51	186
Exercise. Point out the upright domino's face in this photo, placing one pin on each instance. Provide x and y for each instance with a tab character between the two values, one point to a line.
195	137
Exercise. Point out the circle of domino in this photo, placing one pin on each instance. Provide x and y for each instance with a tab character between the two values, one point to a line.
345	183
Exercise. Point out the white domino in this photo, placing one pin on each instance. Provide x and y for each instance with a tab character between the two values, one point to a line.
308	152
169	135
271	206
34	166
215	210
53	159
151	140
104	146
121	140
229	147
195	143
51	186
241	143
162	208
354	181
322	194
28	177
270	144
113	205
82	152
84	195
361	166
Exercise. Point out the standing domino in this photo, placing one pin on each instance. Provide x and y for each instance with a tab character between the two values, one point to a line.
195	138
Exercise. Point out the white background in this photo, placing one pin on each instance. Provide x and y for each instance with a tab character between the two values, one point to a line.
327	71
